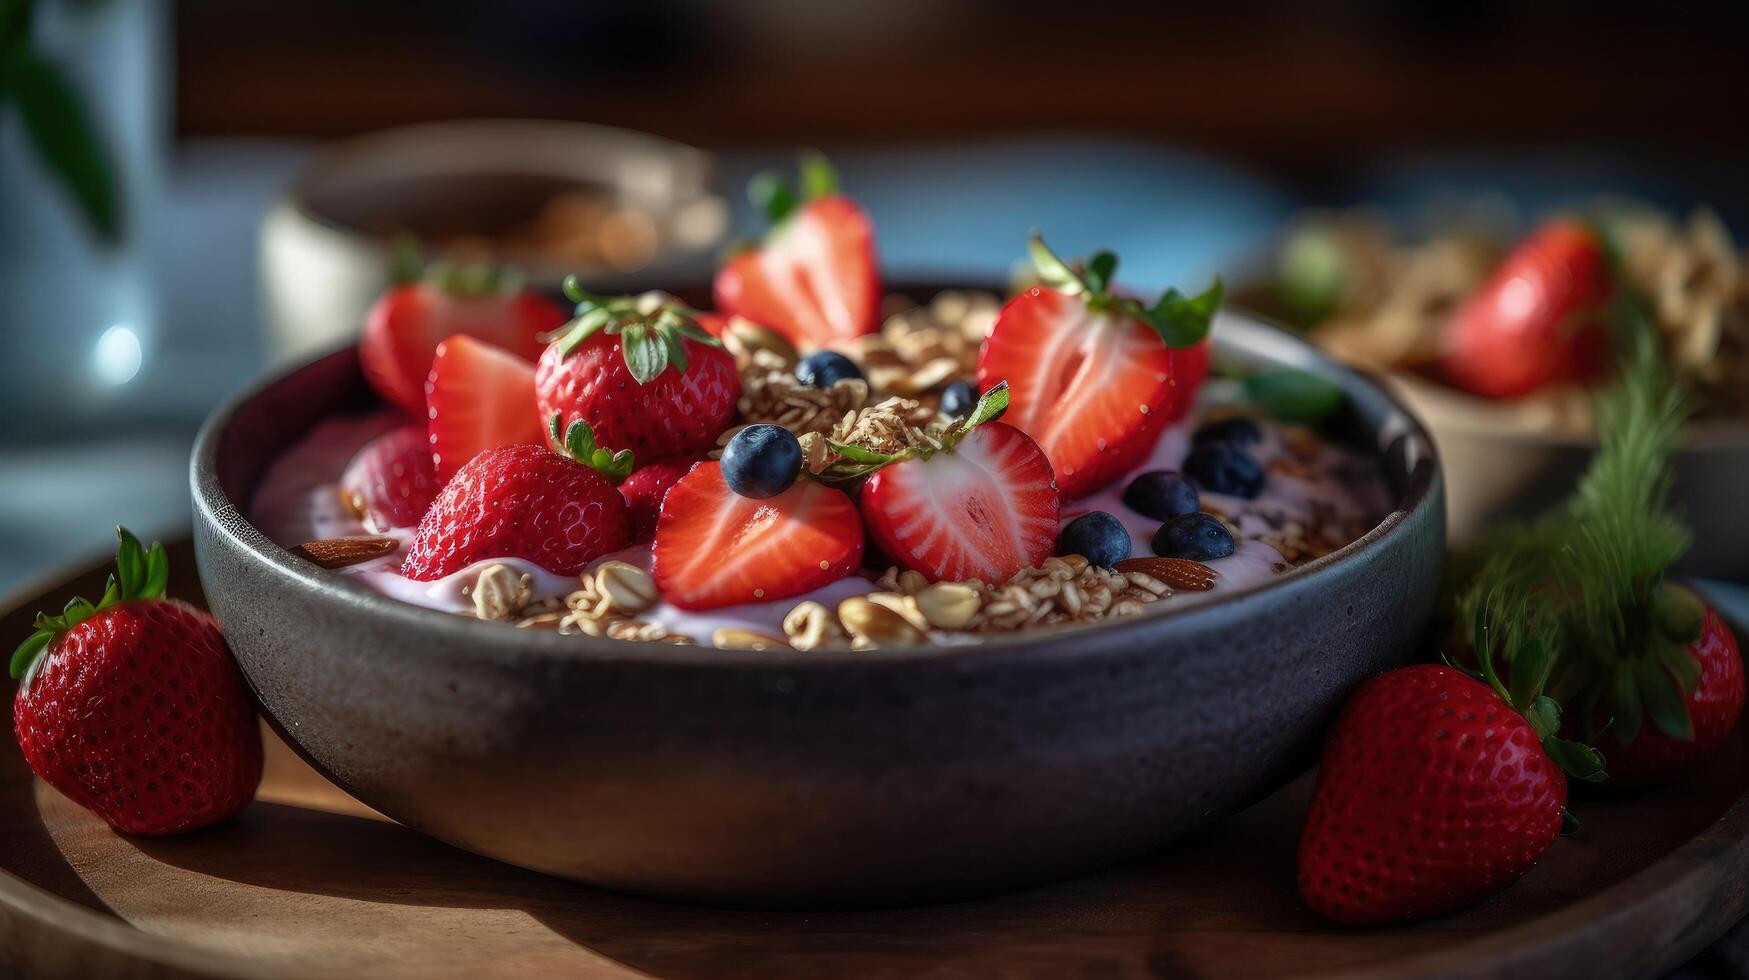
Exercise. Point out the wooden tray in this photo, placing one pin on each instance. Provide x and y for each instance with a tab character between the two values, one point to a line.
309	882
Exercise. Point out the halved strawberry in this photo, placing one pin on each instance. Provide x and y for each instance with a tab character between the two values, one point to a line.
1190	368
478	397
716	548
984	510
815	279
1091	374
390	482
404	327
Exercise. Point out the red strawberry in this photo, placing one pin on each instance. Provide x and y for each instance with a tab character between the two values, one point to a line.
715	548
1704	702
642	373
984	508
644	491
1190	368
404	327
559	510
815	278
1534	322
478	398
391	481
134	708
1432	794
1090	372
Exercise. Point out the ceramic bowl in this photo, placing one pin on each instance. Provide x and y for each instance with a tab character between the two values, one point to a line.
788	779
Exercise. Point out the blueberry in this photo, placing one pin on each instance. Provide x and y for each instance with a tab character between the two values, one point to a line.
762	460
1238	430
1096	536
1198	537
959	399
1162	494
1225	467
821	368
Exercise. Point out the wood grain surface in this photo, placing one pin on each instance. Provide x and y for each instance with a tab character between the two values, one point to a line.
307	882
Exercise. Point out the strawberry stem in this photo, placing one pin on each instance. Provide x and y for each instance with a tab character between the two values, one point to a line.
1180	320
578	442
652	328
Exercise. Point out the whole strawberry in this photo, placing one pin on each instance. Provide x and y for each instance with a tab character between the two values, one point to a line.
645	489
558	509
134	709
1432	794
642	373
391	481
1677	701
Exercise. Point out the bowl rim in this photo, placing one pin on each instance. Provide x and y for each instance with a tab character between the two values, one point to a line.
1423	491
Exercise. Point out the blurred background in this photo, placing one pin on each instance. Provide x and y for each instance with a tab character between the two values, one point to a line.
184	197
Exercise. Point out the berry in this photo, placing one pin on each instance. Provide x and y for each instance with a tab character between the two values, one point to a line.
1536	320
814	279
478	398
134	709
670	394
958	399
824	367
1198	537
985	510
716	548
1096	536
1240	430
391	481
404	327
644	491
1713	705
762	460
1225	468
1432	794
1162	495
1190	368
519	502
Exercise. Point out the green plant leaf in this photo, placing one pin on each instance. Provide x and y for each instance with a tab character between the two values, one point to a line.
1544	716
1570	826
1099	270
1291	395
991	405
859	454
819	177
28	651
1183	321
65	137
1053	271
645	353
676	348
772	195
157	572
1624	699
1680	662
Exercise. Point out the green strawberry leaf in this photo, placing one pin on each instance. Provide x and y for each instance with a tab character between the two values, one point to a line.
1662	695
991	405
1183	321
860	454
772	195
28	651
1099	270
676	349
1291	395
646	356
1576	759
1624	697
578	442
1680	662
1053	271
1544	715
1570	826
819	178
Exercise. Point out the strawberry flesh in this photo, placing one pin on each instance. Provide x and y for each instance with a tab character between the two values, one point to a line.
1094	388
645	489
714	548
986	510
815	280
479	397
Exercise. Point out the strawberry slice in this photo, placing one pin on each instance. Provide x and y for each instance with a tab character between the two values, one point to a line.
815	279
478	397
404	327
715	548
1190	368
1091	374
985	510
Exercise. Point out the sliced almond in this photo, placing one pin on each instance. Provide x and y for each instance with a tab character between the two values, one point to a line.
737	638
341	552
1179	573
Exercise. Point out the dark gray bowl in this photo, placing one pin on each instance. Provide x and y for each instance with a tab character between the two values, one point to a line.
797	779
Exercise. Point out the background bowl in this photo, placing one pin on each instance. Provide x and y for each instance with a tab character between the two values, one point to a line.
805	779
326	246
1501	469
